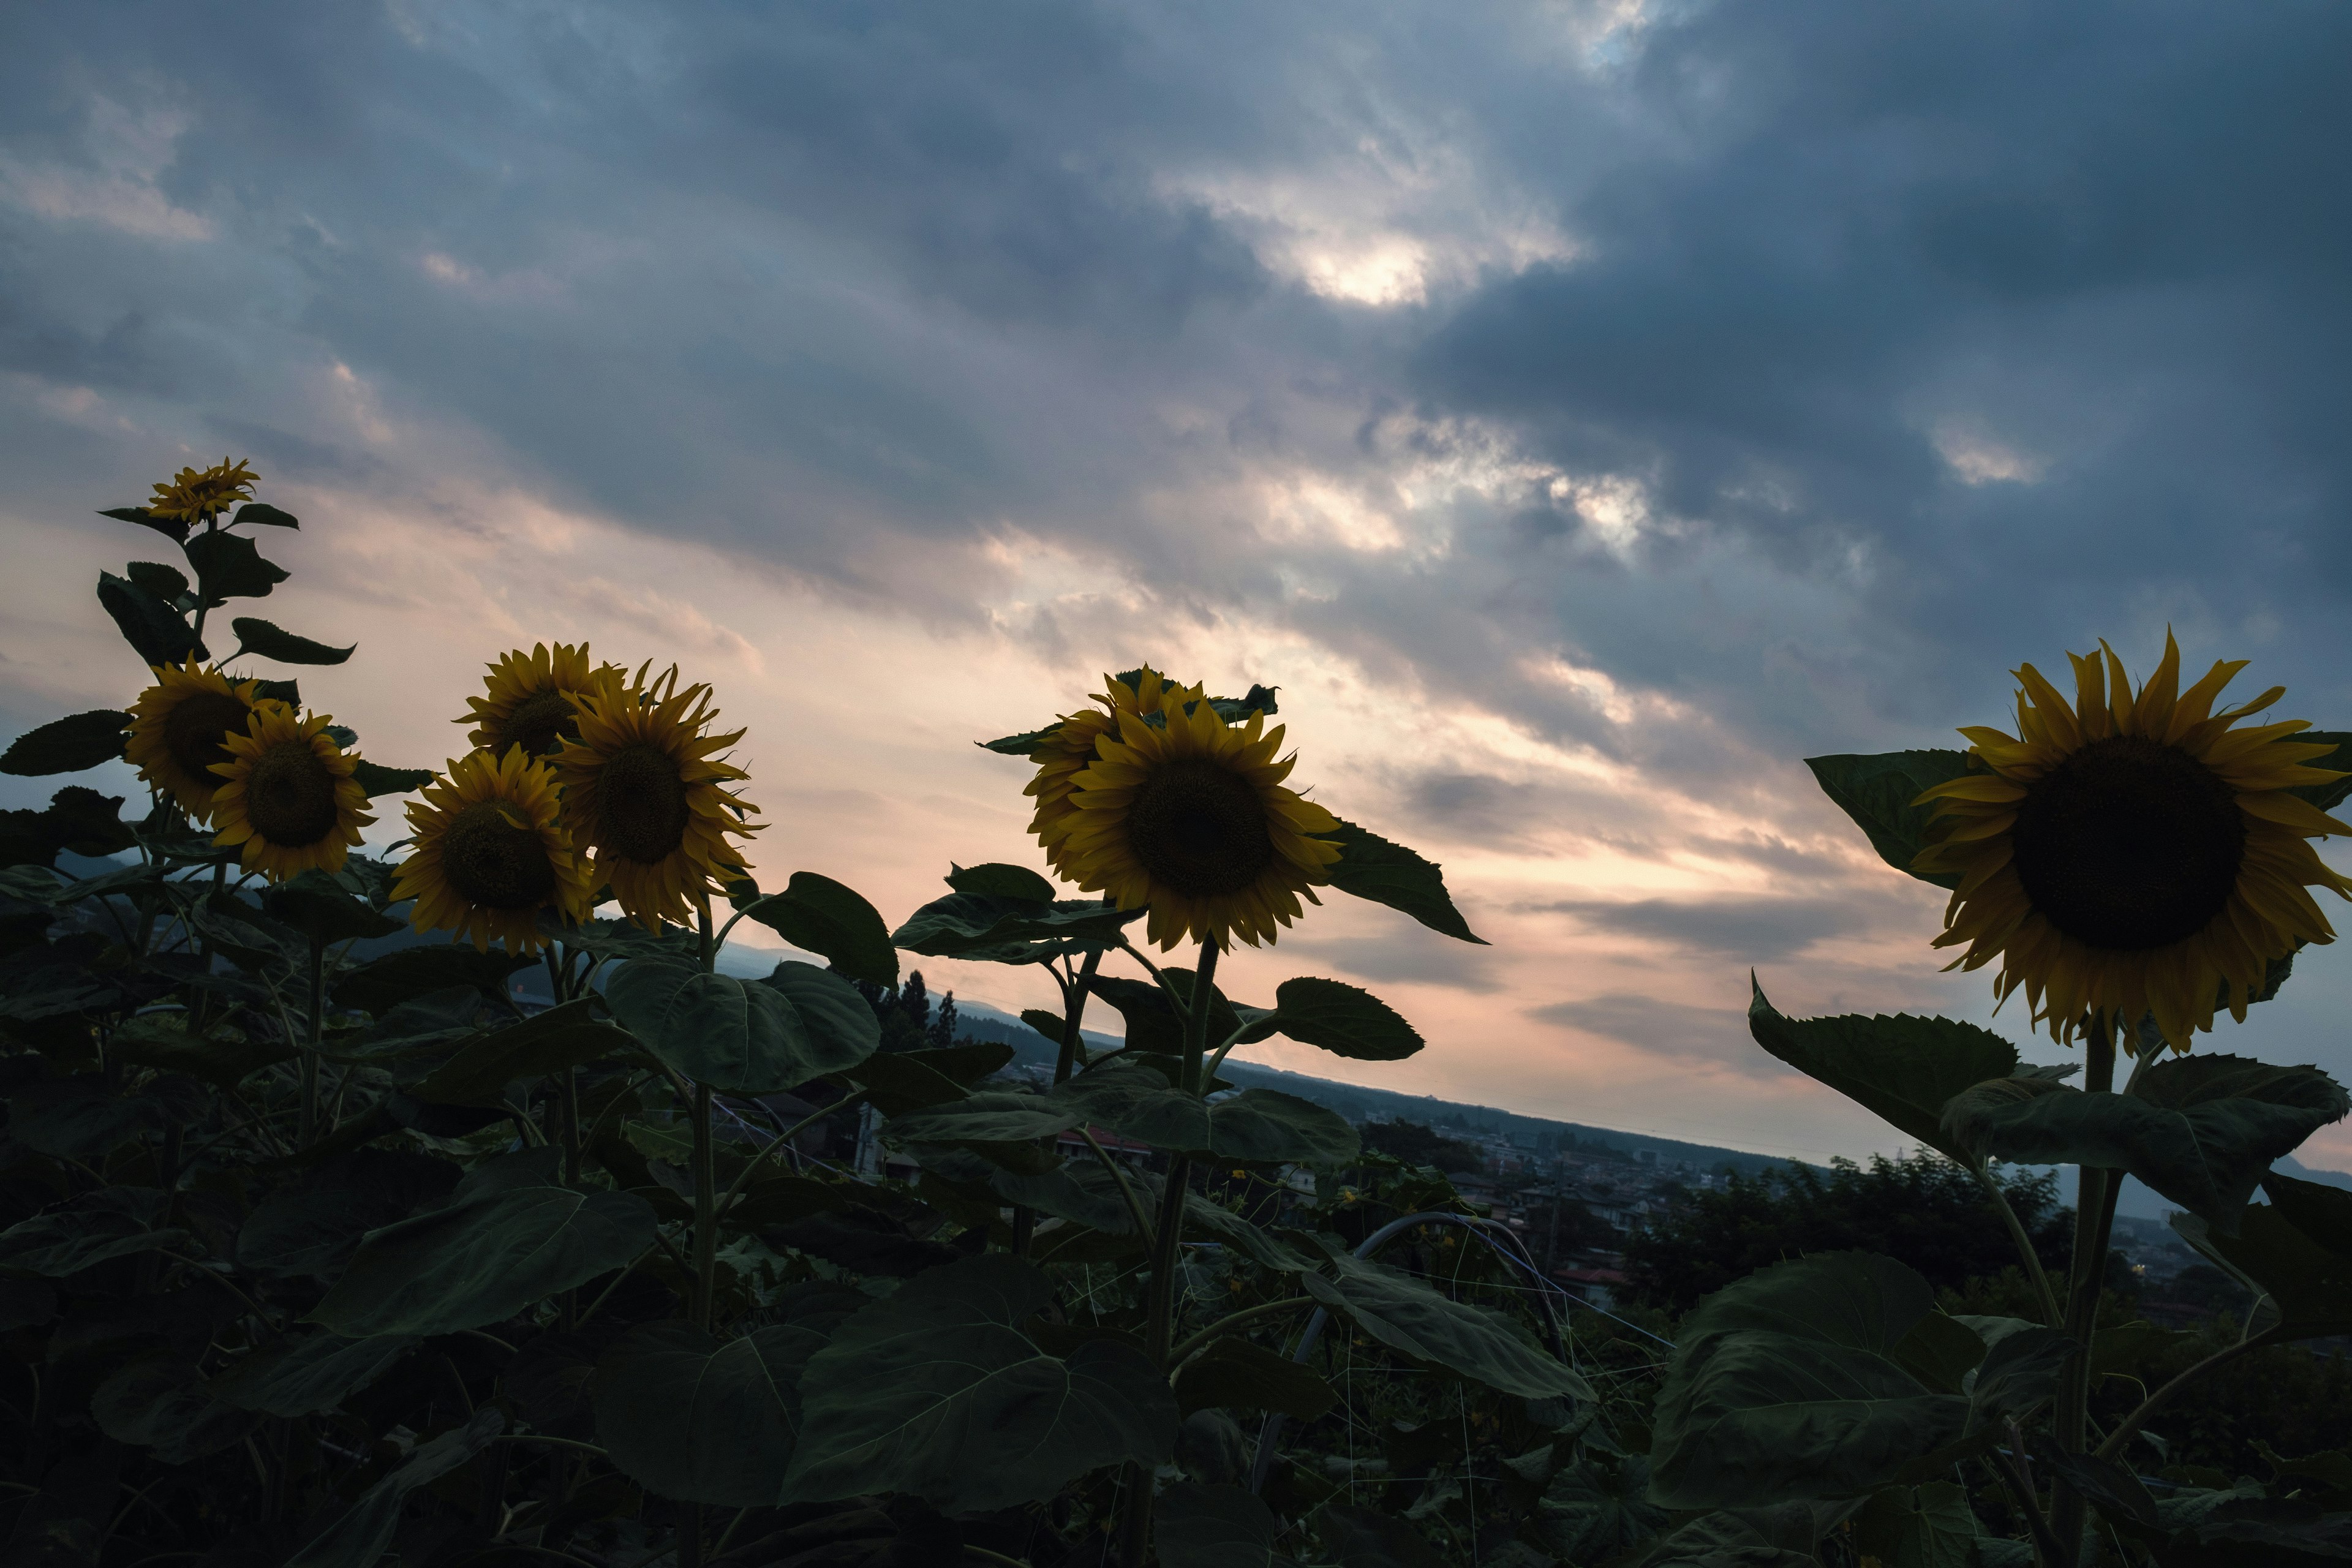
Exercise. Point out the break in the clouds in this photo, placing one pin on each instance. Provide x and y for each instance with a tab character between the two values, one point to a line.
1583	411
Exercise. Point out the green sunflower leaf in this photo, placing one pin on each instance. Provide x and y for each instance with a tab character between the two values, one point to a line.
175	529
1267	1125
159	1402
999	880
2199	1130
379	781
265	639
379	985
262	512
478	1072
743	1037
168	583
898	1399
688	1417
1020	745
228	566
1138	1102
66	746
819	915
2327	797
1905	1069
1346	1020
988	928
307	1375
1370	867
1425	1323
1877	792
992	1116
322	910
362	1535
155	630
2297	1250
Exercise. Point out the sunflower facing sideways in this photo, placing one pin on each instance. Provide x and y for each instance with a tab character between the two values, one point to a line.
180	728
194	494
533	700
2133	855
644	795
1068	748
290	800
490	853
1194	820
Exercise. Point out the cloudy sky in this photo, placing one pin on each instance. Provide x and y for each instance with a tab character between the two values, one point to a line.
1582	412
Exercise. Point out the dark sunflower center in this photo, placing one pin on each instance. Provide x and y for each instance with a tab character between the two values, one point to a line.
1200	829
2129	843
490	861
196	727
289	797
536	724
641	806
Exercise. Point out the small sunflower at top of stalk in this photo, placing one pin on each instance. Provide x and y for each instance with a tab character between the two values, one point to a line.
194	494
645	796
490	853
1189	817
1068	748
2133	854
180	730
534	699
289	803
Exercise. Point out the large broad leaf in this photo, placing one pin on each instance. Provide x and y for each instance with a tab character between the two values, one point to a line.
997	880
270	640
1877	792
325	910
380	780
744	1037
155	630
229	566
68	745
936	1391
1197	1526
1346	1020
173	527
1904	1068
1137	1102
992	1116
1370	867
686	1416
1206	1221
383	983
107	1223
2297	1250
314	1228
1787	1385
1235	1373
2199	1130
989	927
359	1537
819	915
511	1236
1600	1511
478	1072
1424	1322
310	1375
160	1402
1267	1125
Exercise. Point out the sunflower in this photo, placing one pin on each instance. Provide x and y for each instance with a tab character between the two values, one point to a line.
490	853
179	731
533	697
643	791
290	799
1068	748
1191	818
194	494
2132	855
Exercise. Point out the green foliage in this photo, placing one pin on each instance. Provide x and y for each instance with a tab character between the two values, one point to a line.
687	1416
745	1037
1880	794
266	639
1370	867
68	745
817	914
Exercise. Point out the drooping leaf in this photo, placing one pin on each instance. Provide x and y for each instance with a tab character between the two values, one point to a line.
359	1538
323	910
999	880
1877	792
1197	1526
383	983
894	1400
160	1402
1903	1069
168	583
1233	1372
515	1236
2298	1249
173	527
1137	1102
229	566
66	746
381	781
688	1417
479	1070
2199	1130
819	915
265	639
88	823
1422	1321
1346	1020
155	631
1267	1125
309	1374
1370	867
262	512
1206	1221
988	928
896	1084
1020	745
744	1037
992	1116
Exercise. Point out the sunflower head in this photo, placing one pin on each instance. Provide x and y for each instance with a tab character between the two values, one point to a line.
534	699
645	794
180	728
288	798
490	853
1068	748
2133	855
1189	817
194	494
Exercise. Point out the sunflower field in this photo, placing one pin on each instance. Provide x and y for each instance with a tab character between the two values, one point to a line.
464	1206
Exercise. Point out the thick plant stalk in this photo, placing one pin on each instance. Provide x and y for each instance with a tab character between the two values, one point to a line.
1167	1237
2094	1214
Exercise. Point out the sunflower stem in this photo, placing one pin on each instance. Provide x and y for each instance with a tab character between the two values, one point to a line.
1167	1237
2096	1189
